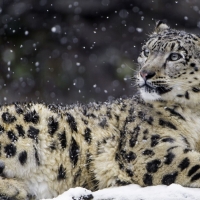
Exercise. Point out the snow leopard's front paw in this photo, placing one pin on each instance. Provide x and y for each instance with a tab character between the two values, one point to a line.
12	189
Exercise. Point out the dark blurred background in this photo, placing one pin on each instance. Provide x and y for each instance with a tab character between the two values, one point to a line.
79	50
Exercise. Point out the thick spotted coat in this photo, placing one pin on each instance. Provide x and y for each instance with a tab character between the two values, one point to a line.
150	139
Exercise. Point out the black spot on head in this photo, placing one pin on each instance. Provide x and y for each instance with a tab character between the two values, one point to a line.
52	125
153	166
184	164
63	140
169	158
148	179
172	46
167	124
196	90
155	140
148	152
72	122
12	136
10	150
87	135
33	133
74	151
195	177
193	170
23	157
31	117
8	118
20	130
37	156
179	95
61	173
169	178
187	96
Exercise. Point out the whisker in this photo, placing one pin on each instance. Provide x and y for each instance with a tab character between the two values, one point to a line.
134	70
134	85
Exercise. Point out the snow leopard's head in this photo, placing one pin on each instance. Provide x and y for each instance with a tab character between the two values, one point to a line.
170	66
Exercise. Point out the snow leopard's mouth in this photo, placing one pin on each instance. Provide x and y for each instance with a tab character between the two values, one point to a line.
155	89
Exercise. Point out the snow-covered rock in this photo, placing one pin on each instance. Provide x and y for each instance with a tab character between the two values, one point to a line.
133	192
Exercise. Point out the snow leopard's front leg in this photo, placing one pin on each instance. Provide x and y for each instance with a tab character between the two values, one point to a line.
12	189
168	163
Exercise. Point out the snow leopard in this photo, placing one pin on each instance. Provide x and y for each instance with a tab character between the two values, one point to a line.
149	139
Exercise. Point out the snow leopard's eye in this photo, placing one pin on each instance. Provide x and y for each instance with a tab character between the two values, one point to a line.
174	56
146	52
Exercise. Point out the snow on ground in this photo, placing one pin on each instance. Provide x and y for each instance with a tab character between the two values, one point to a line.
133	192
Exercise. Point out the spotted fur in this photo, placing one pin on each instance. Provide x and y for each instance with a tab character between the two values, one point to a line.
148	140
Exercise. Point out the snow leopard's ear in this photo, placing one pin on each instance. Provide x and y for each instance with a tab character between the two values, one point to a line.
160	27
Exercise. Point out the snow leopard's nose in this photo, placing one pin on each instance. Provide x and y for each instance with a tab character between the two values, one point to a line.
147	74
